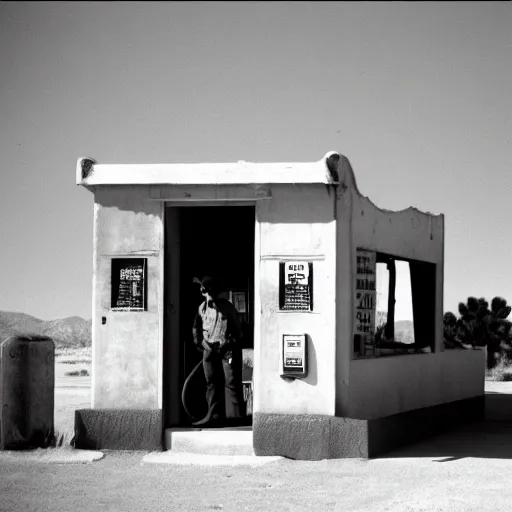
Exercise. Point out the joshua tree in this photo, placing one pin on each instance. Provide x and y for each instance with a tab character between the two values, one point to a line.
451	331
498	326
480	326
471	325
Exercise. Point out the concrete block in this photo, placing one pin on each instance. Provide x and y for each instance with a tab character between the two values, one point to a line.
316	437
309	437
118	429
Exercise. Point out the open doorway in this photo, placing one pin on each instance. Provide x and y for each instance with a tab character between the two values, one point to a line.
204	241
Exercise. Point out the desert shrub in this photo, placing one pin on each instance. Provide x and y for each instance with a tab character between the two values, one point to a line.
78	373
502	371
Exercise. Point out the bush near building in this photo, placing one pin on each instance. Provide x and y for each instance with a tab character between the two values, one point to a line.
479	325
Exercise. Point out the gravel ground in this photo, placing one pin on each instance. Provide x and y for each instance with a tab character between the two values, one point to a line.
468	470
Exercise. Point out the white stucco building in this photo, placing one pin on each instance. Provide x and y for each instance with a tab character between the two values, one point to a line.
356	397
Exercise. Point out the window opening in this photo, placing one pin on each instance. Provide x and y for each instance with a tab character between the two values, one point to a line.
395	305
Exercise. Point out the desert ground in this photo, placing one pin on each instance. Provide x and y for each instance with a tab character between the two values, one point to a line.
72	392
466	470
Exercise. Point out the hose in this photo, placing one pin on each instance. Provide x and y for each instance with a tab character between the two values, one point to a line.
184	392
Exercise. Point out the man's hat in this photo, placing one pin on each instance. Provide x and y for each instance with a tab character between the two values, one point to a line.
209	283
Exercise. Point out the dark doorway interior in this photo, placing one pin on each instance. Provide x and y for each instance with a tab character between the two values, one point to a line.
216	241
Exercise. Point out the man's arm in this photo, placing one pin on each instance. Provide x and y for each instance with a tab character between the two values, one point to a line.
197	331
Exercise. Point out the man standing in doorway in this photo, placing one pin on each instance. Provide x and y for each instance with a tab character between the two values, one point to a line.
217	332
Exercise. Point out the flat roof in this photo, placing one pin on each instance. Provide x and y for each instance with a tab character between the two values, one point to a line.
91	173
333	169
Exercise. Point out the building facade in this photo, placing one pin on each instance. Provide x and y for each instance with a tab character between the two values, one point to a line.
300	249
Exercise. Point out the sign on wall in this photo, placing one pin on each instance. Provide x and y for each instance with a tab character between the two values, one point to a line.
296	286
295	355
129	284
239	301
365	295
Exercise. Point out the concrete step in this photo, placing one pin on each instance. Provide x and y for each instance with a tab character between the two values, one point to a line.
196	459
218	441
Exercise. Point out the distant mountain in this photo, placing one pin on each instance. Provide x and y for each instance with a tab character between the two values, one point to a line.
73	331
21	322
404	329
70	332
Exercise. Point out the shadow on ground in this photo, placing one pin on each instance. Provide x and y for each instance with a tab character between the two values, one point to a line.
486	439
489	439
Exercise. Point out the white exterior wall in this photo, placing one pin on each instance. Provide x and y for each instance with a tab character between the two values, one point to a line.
294	221
297	224
127	349
376	387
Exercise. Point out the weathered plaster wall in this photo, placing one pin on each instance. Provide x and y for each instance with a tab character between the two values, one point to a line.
312	222
298	223
369	388
127	349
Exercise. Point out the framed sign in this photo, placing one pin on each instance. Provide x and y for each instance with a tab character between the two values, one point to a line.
129	284
239	301
296	286
295	350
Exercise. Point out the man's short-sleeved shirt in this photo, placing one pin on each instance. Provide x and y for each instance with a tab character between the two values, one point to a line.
217	321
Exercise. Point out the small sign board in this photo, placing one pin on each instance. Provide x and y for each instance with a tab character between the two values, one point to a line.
365	322
294	355
129	284
295	287
239	301
365	294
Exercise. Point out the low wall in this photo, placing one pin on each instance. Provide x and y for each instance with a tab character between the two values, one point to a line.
317	437
118	429
386	386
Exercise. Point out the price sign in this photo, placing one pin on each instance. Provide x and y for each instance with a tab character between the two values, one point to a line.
129	284
365	298
296	286
365	322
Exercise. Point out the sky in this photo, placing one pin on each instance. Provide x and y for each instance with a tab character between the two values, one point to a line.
416	95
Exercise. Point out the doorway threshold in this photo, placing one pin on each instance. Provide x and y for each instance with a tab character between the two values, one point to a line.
211	429
210	441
